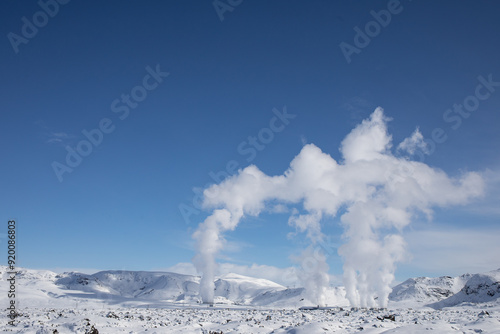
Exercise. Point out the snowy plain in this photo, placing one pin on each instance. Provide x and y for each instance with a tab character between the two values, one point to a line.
160	302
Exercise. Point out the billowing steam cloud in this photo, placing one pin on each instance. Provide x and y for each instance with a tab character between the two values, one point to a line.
378	191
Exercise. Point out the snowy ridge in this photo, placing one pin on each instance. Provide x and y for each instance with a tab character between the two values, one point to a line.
166	286
480	288
427	290
242	289
132	284
139	288
136	288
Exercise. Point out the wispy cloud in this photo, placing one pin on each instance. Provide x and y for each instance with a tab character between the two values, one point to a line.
52	137
358	107
58	137
414	142
488	205
303	140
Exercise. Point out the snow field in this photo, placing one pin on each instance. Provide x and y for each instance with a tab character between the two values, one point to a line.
250	320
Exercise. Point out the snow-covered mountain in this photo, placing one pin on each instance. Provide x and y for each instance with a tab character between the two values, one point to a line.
166	286
448	291
480	288
163	289
143	288
132	284
428	289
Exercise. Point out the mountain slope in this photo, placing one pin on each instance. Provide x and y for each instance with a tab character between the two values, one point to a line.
242	289
142	288
42	288
427	290
480	288
132	284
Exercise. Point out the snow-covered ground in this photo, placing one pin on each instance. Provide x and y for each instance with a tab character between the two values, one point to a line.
254	320
158	302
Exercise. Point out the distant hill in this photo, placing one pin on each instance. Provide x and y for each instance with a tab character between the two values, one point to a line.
480	288
166	289
145	288
427	289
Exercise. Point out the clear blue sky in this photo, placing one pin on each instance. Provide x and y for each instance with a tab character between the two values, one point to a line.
119	208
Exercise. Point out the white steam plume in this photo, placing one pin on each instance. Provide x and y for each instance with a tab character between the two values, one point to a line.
313	273
380	193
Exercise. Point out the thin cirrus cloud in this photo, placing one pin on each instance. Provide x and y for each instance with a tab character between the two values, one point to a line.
58	138
52	137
